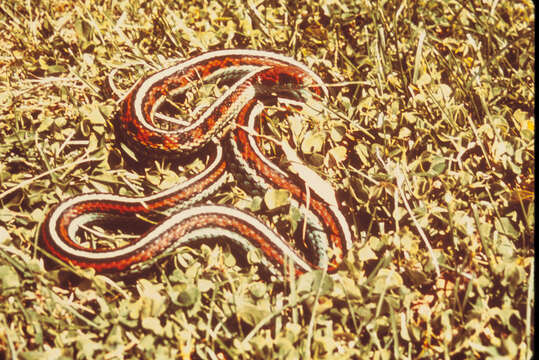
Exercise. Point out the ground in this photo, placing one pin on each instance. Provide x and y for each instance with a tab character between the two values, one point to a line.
429	142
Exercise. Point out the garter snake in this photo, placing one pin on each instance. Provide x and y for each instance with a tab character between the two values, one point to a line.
253	78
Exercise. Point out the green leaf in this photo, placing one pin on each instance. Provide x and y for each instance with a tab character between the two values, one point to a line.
56	69
188	296
87	346
205	285
505	226
276	198
147	343
93	113
258	290
250	313
154	303
366	254
337	155
337	133
153	324
52	354
9	279
386	280
313	142
315	281
4	235
255	204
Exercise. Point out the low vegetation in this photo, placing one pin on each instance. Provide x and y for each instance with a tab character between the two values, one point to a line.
429	140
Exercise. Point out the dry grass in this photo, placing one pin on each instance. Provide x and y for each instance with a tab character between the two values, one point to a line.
437	123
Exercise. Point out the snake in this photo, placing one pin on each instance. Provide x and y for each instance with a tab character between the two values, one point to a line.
226	132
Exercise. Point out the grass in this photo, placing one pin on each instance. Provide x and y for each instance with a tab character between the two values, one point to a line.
432	151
